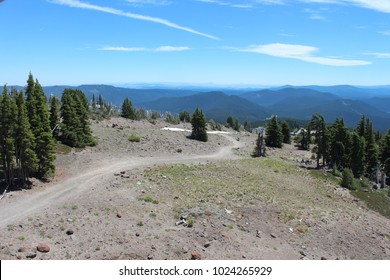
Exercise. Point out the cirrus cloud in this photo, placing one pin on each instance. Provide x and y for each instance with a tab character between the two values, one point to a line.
83	5
301	52
137	49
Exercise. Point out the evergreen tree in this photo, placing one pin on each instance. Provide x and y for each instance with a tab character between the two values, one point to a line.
260	146
7	140
385	152
54	115
357	155
45	143
236	126
247	126
340	144
93	102
128	110
317	124
286	133
75	126
304	140
230	121
199	130
26	159
185	116
274	136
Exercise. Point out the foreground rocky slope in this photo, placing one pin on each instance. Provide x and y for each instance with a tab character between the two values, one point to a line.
129	200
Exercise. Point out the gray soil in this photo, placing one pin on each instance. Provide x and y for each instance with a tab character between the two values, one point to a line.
95	207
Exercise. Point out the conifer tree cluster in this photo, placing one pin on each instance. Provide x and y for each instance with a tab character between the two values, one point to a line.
27	146
357	150
75	126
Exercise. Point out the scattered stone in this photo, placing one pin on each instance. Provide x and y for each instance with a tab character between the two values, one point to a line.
119	215
43	248
323	258
302	253
137	234
126	176
206	245
185	250
117	174
69	232
196	256
243	256
258	234
19	257
273	235
22	250
31	255
150	257
123	172
70	220
73	238
208	213
13	253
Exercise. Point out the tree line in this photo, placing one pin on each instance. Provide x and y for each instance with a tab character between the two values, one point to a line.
30	127
362	150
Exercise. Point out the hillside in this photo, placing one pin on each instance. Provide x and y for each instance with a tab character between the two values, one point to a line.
216	105
123	200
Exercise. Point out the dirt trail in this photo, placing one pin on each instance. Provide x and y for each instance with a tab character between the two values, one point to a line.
75	186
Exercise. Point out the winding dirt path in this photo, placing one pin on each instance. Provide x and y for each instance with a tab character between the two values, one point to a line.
78	185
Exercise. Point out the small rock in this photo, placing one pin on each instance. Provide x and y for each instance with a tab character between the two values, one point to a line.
13	253
323	258
185	250
31	255
119	215
196	256
207	245
43	248
19	257
150	257
123	172
302	253
70	220
273	235
243	256
69	232
22	250
137	234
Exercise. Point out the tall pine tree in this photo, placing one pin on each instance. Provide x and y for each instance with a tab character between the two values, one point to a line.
273	133
26	159
199	130
7	140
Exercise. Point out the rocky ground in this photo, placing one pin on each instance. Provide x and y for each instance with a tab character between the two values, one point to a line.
169	197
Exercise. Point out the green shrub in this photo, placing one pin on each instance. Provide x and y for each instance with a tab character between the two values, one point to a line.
134	138
348	180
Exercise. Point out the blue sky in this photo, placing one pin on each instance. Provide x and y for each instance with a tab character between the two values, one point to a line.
221	42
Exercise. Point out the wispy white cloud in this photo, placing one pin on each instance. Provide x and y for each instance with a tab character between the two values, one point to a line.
378	5
314	14
378	54
301	52
243	4
109	10
138	3
386	33
136	49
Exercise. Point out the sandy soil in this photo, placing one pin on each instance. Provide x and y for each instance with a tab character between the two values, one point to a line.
113	201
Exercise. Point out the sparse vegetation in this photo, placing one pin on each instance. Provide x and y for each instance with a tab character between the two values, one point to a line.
134	138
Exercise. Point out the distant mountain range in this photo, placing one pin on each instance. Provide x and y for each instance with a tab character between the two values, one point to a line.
293	102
